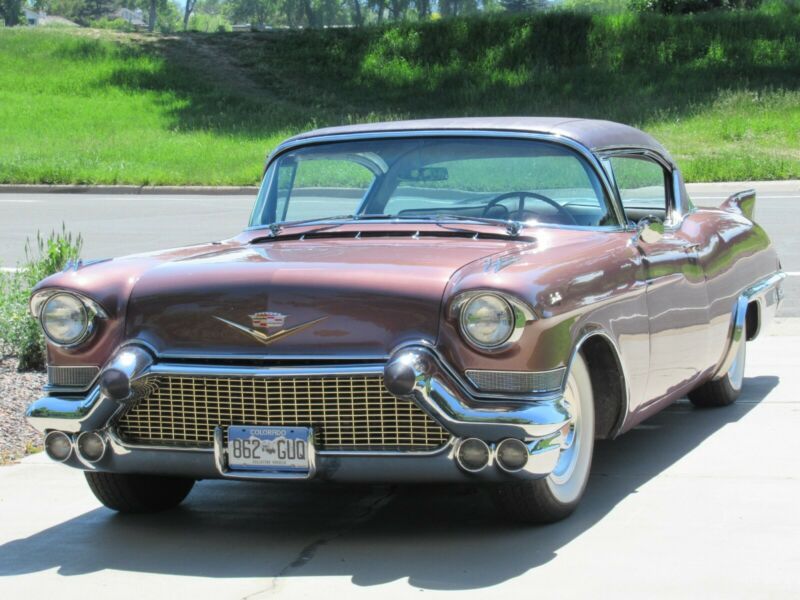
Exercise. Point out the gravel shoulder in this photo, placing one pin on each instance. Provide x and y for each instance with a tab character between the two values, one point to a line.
17	390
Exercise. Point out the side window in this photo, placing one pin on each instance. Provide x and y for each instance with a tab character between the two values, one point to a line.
642	187
321	188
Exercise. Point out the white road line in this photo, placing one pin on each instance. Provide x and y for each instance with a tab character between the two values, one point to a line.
792	273
8	269
758	196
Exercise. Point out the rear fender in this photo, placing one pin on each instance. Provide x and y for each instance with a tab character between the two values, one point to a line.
743	203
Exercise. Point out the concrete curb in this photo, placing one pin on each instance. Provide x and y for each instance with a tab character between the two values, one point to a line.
183	190
783	186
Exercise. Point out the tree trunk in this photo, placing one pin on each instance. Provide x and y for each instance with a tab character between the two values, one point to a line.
394	10
309	10
358	18
11	10
423	8
151	19
381	10
187	12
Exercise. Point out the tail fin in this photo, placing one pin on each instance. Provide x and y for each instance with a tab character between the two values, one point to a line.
743	203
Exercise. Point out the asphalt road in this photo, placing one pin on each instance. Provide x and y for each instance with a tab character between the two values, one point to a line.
691	504
113	225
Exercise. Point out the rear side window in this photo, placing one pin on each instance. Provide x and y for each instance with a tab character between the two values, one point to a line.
642	186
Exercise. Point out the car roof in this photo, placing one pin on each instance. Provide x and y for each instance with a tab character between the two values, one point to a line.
592	133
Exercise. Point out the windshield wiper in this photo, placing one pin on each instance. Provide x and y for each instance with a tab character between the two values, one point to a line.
513	228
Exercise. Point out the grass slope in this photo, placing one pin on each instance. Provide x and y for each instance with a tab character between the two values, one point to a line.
722	91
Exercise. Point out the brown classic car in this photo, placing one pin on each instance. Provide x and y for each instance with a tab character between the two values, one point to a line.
465	300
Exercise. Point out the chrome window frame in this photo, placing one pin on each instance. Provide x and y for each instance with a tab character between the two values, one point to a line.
592	158
677	204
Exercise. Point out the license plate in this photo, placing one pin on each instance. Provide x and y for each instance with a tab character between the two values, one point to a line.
275	449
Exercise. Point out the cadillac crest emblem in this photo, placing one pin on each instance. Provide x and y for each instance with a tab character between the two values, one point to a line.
267	320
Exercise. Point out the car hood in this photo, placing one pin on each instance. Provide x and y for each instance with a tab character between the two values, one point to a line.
306	297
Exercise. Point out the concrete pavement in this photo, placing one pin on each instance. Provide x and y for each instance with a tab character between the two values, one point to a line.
691	504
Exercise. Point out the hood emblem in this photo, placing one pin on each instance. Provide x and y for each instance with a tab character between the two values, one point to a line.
267	320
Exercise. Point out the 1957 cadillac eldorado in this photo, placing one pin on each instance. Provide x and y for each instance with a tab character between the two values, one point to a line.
454	300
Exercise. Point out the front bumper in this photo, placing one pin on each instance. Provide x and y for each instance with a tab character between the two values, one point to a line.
539	422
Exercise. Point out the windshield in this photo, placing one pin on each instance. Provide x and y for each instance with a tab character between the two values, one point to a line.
422	178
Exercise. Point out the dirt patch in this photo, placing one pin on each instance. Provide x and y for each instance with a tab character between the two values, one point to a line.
17	390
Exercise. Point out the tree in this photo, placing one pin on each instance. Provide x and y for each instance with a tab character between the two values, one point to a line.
518	6
187	12
11	11
95	9
69	9
151	16
358	16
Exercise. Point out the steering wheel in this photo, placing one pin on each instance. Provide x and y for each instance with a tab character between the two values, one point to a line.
520	212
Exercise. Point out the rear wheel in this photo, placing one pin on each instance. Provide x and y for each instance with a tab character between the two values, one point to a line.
725	390
127	493
556	496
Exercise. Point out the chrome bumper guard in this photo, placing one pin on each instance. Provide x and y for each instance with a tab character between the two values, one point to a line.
415	373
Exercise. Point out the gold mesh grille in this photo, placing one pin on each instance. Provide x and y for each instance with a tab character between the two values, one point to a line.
347	412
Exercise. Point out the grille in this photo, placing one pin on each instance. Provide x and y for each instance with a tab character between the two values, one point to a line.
71	376
347	412
517	381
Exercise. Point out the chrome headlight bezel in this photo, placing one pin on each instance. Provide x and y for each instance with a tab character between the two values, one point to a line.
91	311
521	313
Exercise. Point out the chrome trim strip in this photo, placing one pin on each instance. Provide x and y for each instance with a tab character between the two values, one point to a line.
678	205
71	415
434	391
266	372
112	434
755	292
584	151
353	468
333	358
466	386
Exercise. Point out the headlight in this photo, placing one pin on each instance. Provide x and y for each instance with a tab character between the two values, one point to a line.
487	320
65	319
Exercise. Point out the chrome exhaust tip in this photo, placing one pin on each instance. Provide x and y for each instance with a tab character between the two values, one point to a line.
90	446
58	446
511	455
473	455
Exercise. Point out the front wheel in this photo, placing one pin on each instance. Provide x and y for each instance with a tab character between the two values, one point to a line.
556	496
128	493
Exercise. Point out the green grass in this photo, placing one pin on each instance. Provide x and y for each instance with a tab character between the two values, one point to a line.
721	91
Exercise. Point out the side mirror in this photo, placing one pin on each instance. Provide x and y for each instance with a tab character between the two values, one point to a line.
650	230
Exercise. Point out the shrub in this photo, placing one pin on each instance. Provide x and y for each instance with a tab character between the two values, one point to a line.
20	334
680	7
781	8
115	24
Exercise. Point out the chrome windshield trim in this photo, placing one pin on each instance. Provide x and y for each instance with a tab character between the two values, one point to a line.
584	151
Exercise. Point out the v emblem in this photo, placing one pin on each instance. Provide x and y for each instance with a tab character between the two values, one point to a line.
266	338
